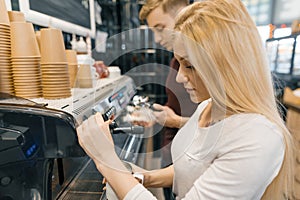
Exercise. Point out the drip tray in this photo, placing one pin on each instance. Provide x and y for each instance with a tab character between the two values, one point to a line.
86	185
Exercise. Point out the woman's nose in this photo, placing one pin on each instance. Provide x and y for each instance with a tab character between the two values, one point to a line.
157	38
181	77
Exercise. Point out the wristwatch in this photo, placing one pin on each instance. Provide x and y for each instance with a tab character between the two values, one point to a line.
139	177
136	175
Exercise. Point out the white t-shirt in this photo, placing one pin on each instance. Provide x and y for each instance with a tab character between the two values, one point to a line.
236	158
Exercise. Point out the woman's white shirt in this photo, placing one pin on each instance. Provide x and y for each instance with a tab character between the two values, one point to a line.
236	158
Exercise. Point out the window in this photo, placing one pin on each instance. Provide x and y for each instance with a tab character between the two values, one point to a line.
260	10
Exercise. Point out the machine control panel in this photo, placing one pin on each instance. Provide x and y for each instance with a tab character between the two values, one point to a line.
18	142
120	96
109	114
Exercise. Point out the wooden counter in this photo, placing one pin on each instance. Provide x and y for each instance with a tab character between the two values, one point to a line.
293	124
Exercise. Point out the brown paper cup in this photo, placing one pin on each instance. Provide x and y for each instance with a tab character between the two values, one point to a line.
16	16
73	69
4	20
52	46
23	40
84	82
71	57
38	38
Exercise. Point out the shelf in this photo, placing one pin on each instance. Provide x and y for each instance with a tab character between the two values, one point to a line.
283	60
281	38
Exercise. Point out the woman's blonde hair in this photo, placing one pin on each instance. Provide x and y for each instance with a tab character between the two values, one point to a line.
225	48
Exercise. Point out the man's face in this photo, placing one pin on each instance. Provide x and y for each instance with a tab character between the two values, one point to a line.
162	25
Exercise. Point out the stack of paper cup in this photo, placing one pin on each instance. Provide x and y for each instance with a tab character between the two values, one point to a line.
6	81
87	74
16	16
25	57
38	38
54	65
72	66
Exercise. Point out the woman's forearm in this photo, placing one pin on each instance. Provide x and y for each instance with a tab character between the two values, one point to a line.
116	178
119	178
159	178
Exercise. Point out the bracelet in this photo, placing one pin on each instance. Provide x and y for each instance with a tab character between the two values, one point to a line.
139	177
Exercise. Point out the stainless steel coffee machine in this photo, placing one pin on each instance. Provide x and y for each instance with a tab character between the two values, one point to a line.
40	157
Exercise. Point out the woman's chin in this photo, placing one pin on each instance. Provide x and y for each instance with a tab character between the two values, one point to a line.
194	99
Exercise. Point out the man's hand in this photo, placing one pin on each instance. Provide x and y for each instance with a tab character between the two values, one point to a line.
142	117
165	116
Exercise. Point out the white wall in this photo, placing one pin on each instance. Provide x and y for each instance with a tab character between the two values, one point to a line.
8	4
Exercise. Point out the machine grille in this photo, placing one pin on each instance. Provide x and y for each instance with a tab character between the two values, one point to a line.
86	185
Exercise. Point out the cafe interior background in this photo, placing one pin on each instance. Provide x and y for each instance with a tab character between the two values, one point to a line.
62	61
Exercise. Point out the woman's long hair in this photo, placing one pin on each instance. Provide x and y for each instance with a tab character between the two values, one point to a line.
225	48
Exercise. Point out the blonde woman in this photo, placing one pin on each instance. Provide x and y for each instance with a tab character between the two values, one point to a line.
235	146
160	16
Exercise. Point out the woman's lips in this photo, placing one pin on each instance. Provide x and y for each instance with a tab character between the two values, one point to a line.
189	90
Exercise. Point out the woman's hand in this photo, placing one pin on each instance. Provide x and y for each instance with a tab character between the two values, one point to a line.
95	138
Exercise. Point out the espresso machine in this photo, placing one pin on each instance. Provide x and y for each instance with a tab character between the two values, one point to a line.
40	158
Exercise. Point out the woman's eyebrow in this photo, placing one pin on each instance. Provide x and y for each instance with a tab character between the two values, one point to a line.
182	59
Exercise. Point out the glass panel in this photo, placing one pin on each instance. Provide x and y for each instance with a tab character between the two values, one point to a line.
285	50
271	53
260	10
297	58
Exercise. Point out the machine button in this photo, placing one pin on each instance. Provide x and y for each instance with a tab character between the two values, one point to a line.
5	181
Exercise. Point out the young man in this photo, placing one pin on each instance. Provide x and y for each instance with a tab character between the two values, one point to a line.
160	16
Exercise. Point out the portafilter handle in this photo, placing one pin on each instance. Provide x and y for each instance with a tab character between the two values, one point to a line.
131	129
115	129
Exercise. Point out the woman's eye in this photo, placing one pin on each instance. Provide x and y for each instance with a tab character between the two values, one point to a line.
159	29
189	67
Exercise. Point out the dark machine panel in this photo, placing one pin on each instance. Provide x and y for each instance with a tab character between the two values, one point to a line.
31	139
40	157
